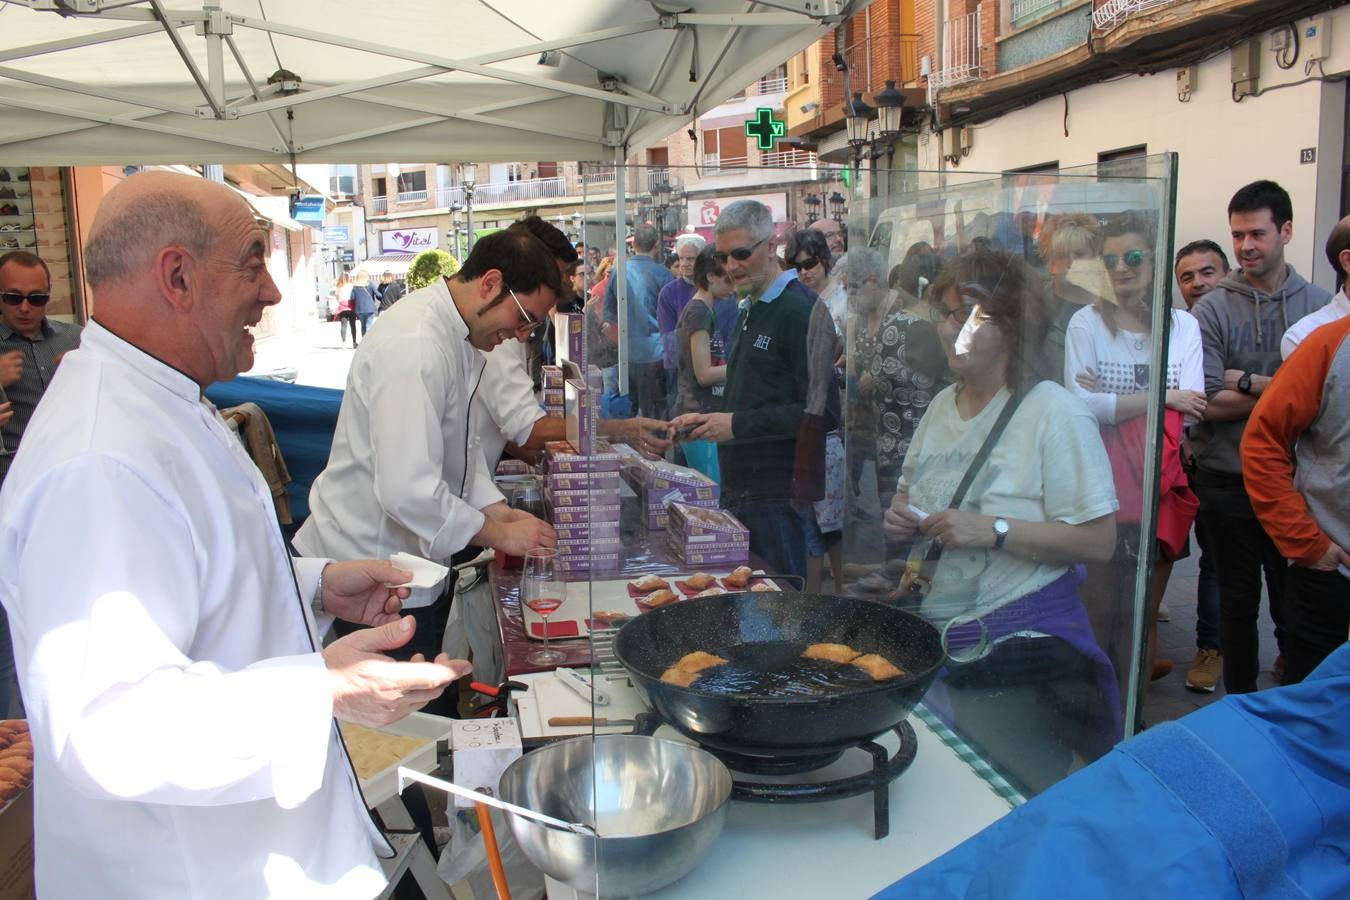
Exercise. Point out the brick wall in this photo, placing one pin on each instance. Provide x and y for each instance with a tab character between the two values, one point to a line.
925	25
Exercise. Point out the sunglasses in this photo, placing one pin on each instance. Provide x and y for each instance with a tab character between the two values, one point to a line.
1134	259
528	323
15	298
740	254
809	262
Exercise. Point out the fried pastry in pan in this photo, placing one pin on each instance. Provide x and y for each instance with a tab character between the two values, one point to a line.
698	661
840	653
877	666
678	677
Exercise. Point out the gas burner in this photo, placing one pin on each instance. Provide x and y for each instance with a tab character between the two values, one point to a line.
885	768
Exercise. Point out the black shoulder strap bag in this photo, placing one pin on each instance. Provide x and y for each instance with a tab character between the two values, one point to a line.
916	584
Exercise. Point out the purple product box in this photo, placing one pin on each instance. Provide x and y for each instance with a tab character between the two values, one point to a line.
694	496
570	329
607	563
657	521
560	456
561	499
584	515
554	396
580	408
605	483
653	502
716	557
597	531
694	521
669	475
706	541
589	546
551	376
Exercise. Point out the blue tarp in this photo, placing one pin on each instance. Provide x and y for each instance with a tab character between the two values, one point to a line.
1248	797
303	419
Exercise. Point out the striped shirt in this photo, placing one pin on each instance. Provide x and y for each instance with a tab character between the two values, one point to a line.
39	365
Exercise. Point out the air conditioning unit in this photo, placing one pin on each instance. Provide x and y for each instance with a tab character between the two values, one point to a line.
949	142
925	65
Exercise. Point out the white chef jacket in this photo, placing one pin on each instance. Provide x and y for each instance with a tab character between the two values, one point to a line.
505	410
405	472
181	716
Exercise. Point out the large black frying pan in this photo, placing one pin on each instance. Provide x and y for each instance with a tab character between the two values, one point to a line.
768	702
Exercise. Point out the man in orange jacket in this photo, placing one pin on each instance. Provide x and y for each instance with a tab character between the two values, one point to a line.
1296	465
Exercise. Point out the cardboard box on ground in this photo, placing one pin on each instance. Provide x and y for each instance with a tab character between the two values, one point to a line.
16	848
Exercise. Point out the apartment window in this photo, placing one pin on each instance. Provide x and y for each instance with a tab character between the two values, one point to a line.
1124	163
379	186
409	182
342	184
514	172
1026	12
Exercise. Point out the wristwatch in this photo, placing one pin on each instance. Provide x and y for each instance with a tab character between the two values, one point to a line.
1000	532
1245	383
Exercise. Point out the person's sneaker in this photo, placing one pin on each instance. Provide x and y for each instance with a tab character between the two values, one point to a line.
1204	672
1164	614
8	193
1161	669
1278	669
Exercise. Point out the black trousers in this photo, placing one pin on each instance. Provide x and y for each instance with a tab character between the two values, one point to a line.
1316	619
1242	552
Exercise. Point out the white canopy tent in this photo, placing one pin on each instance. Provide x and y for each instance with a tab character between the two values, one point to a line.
343	81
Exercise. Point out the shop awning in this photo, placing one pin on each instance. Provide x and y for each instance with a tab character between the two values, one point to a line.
390	262
110	81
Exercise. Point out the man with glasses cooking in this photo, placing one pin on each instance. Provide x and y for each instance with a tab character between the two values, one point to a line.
406	472
766	388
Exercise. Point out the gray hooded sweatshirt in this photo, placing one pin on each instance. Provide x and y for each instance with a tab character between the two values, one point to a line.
1241	328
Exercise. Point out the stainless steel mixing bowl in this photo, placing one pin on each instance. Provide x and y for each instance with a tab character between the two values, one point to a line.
657	805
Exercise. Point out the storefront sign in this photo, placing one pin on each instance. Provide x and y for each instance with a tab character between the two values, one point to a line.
703	212
407	240
308	210
336	234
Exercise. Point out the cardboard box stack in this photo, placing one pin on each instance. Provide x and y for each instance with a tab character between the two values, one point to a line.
552	377
581	409
659	484
581	497
706	537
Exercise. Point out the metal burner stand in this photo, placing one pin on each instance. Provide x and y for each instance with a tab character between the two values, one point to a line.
885	769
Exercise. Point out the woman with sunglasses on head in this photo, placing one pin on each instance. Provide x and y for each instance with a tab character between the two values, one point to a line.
1005	489
1106	362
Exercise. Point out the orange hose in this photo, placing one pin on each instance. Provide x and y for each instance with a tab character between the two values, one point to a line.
494	855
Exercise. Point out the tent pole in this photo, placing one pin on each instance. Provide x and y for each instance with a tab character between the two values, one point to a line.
621	266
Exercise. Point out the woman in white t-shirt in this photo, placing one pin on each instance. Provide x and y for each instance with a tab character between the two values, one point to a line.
1042	502
1107	349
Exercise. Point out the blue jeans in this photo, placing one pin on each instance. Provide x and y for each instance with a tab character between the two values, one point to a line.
366	319
776	534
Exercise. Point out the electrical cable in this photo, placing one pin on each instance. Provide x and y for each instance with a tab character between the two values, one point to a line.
1286	57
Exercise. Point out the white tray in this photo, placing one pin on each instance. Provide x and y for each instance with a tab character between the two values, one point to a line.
384	783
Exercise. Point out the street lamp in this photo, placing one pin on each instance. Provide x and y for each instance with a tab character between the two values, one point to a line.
812	202
838	209
890	108
856	116
468	177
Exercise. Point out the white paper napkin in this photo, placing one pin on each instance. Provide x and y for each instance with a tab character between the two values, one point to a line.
426	574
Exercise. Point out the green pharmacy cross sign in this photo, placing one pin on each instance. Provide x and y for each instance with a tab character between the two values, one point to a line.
764	128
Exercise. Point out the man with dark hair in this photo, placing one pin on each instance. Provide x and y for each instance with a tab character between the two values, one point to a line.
1199	267
645	276
391	290
1241	323
767	382
1338	253
404	474
31	344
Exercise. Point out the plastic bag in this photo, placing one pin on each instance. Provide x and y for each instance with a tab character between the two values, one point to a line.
466	857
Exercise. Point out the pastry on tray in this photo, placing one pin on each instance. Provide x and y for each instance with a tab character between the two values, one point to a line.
657	599
700	581
840	653
711	592
649	583
609	617
763	587
738	577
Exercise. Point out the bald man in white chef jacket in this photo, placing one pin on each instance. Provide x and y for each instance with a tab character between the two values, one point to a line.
181	708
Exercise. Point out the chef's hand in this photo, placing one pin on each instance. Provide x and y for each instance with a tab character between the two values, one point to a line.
358	591
6	413
372	689
514	532
956	528
899	522
11	368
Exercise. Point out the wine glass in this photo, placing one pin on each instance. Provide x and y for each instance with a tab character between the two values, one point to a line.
541	589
